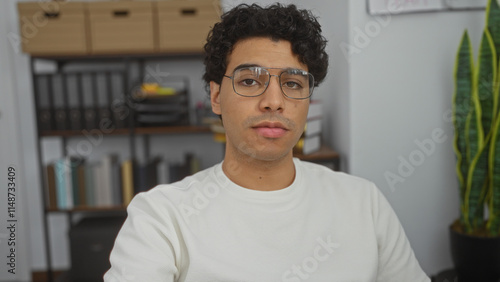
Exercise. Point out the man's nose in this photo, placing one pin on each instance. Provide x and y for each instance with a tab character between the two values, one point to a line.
272	99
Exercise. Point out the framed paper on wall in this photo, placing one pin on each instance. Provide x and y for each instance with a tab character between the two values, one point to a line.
377	7
380	7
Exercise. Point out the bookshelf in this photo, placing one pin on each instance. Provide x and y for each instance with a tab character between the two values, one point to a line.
137	131
68	80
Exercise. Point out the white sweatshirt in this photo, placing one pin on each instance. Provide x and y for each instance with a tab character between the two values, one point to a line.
326	226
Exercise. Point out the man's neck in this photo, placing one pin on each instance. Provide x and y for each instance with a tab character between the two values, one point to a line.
256	174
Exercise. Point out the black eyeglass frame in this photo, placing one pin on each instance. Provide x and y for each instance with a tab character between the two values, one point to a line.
311	88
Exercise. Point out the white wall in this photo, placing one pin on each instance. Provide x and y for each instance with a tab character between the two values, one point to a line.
391	93
14	235
400	90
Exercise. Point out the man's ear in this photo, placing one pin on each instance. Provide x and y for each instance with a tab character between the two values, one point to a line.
215	97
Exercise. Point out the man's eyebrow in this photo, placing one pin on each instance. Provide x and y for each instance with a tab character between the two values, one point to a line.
242	66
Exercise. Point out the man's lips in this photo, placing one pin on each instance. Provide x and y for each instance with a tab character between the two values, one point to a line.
270	129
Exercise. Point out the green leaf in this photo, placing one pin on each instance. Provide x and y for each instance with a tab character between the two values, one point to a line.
478	124
461	106
493	225
486	75
493	22
481	129
476	189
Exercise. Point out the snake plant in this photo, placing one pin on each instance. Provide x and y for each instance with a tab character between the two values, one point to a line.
476	120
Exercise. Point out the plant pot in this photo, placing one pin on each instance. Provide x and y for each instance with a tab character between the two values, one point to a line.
476	259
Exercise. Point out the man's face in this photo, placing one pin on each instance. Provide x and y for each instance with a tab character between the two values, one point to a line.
265	127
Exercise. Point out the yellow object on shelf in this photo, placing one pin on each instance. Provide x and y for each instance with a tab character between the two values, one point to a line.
220	137
154	89
165	91
150	87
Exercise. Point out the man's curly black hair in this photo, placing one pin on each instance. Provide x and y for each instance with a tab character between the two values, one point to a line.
277	22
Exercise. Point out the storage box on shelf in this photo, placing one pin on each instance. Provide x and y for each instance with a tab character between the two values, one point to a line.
184	25
115	27
121	27
49	28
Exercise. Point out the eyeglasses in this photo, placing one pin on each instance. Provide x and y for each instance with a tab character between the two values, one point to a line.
253	81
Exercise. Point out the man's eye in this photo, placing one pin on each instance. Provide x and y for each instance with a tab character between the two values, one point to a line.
292	85
248	82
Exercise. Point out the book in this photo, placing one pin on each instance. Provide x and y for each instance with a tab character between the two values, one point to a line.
68	183
60	181
74	184
64	187
120	116
107	179
59	98
116	182
162	172
90	118
44	104
308	144
313	127
178	171
82	195
74	99
315	109
119	109
61	119
75	119
310	140
51	186
175	172
127	181
145	176
99	184
89	184
152	176
104	115
194	163
45	117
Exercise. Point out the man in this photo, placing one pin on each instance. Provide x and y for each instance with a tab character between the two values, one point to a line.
262	215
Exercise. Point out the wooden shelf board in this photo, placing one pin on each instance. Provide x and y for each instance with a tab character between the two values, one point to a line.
324	153
116	56
124	131
88	209
173	129
83	132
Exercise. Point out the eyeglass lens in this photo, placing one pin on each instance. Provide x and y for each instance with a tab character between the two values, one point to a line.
253	81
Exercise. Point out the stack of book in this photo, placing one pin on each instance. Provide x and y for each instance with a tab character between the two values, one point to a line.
77	183
310	141
168	171
73	182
